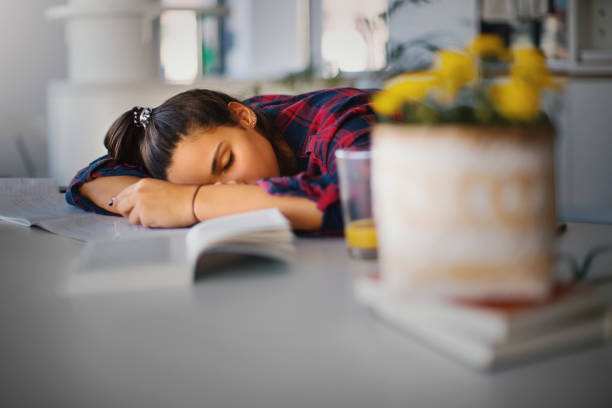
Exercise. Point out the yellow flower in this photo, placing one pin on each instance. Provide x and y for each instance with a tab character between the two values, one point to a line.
411	86
401	89
488	46
454	70
386	103
516	100
528	56
530	67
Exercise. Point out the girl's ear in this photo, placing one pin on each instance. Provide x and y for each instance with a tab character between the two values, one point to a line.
243	114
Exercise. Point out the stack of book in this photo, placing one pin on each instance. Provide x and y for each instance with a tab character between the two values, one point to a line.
490	335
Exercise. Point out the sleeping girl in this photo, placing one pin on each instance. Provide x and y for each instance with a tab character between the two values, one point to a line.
203	154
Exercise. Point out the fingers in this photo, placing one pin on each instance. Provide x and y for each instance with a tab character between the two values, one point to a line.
129	211
156	203
130	202
134	217
124	203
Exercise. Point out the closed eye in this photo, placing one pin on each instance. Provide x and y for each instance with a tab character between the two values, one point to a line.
229	161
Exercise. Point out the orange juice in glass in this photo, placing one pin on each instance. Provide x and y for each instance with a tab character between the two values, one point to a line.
356	199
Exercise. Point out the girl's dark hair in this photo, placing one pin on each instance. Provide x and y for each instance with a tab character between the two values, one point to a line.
151	147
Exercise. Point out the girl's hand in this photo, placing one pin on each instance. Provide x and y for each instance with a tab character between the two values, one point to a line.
157	203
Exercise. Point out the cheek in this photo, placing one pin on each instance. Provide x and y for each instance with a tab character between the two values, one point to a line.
187	173
252	166
188	164
247	170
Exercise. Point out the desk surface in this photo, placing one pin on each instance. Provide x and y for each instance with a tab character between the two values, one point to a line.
286	337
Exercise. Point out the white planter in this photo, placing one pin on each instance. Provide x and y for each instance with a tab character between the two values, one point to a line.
464	211
106	41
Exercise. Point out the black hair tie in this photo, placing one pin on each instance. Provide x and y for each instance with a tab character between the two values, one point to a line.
142	116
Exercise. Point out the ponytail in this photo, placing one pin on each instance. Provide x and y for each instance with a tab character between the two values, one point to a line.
124	139
147	137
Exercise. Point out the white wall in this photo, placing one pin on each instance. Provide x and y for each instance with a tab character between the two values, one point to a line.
456	18
280	44
240	51
585	150
31	52
270	38
445	23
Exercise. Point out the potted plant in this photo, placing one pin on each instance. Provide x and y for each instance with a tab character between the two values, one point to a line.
463	176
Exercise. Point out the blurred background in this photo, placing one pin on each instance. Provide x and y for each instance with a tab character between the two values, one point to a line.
70	67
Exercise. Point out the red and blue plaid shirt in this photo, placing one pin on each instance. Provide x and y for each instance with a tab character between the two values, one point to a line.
315	125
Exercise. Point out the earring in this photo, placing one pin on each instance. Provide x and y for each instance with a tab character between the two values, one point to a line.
253	122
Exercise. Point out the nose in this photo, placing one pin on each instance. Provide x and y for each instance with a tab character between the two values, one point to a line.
229	182
223	179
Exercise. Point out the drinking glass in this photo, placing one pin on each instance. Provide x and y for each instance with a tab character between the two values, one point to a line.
356	199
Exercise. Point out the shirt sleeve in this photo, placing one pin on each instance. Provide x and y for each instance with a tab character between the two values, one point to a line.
319	182
104	166
322	189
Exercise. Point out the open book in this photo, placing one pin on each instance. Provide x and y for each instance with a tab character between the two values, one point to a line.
27	201
174	259
487	335
37	202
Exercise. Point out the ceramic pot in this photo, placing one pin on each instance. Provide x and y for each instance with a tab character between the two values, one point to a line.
464	211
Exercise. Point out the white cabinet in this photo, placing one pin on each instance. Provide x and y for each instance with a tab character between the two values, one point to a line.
585	150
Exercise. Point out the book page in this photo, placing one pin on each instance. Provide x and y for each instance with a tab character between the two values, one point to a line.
123	255
158	258
267	227
95	227
37	202
28	209
265	233
131	265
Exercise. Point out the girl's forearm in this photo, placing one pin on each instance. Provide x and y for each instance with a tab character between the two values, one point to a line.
102	189
217	200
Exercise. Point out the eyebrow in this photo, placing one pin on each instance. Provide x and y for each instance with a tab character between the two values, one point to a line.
214	162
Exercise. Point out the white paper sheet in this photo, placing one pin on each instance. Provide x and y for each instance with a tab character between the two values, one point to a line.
37	202
93	227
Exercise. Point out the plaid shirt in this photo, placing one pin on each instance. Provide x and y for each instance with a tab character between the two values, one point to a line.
315	125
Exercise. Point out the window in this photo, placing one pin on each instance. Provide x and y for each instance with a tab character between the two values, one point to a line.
354	36
178	45
191	39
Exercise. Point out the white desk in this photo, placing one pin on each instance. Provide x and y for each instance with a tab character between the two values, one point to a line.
290	338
